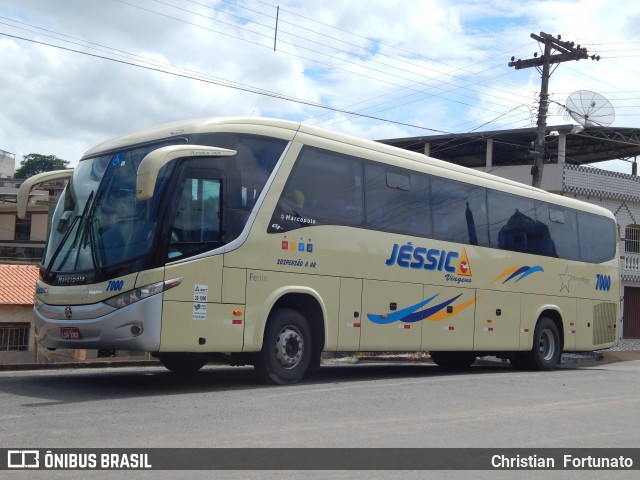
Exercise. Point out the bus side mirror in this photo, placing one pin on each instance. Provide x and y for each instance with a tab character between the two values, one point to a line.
154	161
31	182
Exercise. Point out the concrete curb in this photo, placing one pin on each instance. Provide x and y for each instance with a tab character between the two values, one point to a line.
567	359
79	365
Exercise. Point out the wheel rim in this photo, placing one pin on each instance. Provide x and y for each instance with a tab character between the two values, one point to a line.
547	345
289	347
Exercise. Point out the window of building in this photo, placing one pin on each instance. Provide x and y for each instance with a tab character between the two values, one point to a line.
632	239
14	337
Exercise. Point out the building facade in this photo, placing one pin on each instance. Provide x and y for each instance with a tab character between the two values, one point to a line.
7	163
22	240
17	286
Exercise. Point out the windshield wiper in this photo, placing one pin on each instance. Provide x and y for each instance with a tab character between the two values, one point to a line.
65	237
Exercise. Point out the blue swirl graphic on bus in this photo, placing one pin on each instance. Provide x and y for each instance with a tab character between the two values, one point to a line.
409	314
519	272
524	272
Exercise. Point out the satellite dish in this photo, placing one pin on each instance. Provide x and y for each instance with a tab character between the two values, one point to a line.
590	109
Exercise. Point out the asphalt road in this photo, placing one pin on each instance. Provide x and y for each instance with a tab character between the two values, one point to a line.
396	405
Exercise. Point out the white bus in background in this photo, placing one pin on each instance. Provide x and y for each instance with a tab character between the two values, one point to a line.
267	242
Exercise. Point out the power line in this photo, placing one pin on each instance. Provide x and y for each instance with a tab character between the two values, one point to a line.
153	62
455	69
332	66
345	111
366	67
416	93
242	88
224	84
450	90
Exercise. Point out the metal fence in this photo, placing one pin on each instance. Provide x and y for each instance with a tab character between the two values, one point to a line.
14	338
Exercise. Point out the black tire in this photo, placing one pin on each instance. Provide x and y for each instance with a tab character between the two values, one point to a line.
286	349
453	360
181	362
547	347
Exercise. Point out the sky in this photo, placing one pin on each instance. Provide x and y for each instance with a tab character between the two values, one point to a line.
74	73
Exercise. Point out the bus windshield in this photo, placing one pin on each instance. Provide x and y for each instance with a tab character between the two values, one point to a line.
98	224
100	230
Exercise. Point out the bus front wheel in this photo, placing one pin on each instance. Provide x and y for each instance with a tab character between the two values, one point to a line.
286	348
547	346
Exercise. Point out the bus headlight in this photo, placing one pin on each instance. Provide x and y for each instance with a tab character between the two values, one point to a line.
140	293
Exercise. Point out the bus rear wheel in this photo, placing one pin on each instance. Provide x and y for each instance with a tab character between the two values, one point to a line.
286	348
453	360
547	347
181	362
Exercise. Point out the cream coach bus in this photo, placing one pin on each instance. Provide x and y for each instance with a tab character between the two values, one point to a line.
267	242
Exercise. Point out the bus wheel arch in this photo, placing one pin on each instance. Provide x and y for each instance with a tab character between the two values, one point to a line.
548	342
555	317
293	339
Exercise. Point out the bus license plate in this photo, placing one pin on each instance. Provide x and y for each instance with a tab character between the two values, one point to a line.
70	333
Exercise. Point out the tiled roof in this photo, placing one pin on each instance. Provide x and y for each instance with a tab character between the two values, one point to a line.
17	284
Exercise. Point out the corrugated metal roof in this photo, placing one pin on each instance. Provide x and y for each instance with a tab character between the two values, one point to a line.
17	284
512	147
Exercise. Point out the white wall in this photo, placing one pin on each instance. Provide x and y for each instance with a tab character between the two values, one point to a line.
551	175
7	227
7	166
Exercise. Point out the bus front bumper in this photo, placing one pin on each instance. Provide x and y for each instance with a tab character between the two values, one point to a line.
135	327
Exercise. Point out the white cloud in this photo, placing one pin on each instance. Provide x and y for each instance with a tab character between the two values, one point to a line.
439	65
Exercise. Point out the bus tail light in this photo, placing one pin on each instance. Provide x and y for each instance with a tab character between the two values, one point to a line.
140	293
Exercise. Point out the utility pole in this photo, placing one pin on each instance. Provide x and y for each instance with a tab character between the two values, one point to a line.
566	52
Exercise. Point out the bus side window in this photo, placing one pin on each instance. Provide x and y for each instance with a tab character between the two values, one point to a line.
512	221
459	212
197	220
397	200
324	188
558	231
597	237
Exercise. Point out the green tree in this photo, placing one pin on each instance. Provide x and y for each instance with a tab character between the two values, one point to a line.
35	163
